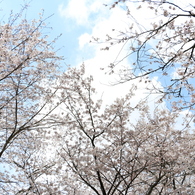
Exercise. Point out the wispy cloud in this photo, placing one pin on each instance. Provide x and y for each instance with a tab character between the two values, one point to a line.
82	11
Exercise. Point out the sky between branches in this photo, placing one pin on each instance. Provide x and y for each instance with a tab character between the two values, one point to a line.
79	21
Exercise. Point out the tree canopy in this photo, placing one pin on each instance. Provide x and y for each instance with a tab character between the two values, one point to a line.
57	136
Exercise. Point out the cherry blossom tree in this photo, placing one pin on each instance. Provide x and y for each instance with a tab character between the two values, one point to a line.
28	170
161	46
57	136
28	66
122	148
105	151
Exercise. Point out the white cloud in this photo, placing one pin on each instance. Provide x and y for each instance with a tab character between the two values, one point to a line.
76	10
81	11
84	39
102	24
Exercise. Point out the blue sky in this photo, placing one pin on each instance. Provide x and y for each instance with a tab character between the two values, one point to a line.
60	24
78	21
